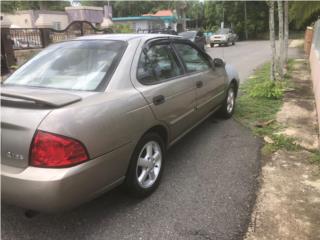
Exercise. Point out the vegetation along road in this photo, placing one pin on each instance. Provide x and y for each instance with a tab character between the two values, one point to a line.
207	191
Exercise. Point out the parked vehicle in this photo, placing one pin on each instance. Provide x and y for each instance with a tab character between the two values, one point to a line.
164	31
86	115
224	36
195	36
207	36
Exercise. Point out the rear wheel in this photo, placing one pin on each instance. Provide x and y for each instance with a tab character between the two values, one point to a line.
146	166
227	109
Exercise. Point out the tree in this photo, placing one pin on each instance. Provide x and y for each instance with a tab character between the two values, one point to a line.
281	42
286	31
303	13
12	6
272	41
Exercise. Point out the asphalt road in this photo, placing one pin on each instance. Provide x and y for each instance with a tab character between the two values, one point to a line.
207	191
247	56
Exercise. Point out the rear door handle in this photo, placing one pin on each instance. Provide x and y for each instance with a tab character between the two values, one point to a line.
199	84
157	100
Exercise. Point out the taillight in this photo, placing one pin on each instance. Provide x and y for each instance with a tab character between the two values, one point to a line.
51	150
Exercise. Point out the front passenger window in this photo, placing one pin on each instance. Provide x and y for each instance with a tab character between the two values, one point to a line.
192	58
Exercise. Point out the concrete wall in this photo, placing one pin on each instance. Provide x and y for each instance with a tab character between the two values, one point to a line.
22	20
315	65
85	13
27	19
56	20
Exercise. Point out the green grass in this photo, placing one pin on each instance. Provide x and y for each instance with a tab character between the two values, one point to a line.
258	111
315	157
252	110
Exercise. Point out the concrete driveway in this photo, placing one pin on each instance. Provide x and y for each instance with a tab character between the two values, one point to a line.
207	192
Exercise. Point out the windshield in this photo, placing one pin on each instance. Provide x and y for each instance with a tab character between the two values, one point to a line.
73	65
188	35
223	31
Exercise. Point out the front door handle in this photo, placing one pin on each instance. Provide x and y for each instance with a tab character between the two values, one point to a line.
157	100
199	84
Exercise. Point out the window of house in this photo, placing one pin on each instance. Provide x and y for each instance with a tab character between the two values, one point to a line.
57	25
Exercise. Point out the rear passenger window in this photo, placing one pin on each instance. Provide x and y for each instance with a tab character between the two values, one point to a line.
192	58
156	64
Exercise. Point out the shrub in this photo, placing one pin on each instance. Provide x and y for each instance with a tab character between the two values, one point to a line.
267	89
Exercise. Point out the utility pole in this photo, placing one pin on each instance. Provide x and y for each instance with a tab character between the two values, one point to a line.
245	20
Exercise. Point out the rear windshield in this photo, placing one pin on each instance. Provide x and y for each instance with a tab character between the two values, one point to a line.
73	65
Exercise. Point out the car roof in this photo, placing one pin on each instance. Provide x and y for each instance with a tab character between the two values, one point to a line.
125	37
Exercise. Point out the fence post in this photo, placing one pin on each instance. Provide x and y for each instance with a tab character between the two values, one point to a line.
308	40
44	28
7	53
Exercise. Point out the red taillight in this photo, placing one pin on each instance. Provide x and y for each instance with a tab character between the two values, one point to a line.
50	150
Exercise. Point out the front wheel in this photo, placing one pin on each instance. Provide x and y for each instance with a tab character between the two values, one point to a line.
227	109
146	166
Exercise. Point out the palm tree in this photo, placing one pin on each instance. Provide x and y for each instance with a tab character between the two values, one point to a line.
272	40
286	31
281	42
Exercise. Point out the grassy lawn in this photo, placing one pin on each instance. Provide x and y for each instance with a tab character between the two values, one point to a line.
257	109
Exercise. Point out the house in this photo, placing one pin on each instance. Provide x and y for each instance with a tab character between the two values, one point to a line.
58	19
27	19
160	20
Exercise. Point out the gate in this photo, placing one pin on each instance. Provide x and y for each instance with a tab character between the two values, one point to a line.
15	39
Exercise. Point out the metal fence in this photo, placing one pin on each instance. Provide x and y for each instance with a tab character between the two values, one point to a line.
31	38
16	39
25	38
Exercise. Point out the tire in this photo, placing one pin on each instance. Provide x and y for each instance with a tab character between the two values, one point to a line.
227	109
212	45
141	184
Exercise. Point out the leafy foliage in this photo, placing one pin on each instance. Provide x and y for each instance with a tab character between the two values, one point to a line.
303	13
12	6
267	89
121	28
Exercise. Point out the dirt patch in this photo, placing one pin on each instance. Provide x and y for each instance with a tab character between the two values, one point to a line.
288	203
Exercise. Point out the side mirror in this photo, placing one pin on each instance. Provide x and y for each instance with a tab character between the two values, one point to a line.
218	62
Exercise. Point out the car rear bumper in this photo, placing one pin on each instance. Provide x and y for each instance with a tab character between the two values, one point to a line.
54	190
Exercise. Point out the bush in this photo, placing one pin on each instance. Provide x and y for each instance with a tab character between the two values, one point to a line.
122	28
267	89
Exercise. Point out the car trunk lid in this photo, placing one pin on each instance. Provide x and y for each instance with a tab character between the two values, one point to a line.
22	111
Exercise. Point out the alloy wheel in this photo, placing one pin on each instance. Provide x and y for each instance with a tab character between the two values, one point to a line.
149	164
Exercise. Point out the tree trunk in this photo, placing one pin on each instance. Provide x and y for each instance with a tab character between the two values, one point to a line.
286	31
272	41
245	21
281	42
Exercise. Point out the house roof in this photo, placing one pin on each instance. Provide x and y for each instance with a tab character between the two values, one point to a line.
164	13
161	13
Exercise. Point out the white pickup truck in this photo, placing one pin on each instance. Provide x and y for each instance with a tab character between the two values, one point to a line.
223	36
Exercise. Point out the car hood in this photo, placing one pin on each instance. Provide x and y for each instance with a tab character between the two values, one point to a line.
22	111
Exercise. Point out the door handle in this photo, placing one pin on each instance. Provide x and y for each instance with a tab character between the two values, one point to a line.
199	84
157	100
